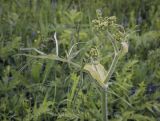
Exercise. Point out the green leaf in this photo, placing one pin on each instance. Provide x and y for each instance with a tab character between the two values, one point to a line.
36	68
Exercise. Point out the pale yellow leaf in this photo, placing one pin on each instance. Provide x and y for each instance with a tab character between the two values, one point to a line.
97	71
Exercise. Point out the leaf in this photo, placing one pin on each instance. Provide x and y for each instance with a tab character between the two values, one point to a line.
97	72
36	68
140	117
75	79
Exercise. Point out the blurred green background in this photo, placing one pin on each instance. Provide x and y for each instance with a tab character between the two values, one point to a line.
34	89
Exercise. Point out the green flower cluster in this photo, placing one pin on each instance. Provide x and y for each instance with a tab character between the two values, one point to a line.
119	35
94	52
109	24
104	23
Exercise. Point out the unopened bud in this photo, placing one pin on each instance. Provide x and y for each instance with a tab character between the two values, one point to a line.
124	47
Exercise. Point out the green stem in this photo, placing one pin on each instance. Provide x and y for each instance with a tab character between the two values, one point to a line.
115	59
52	57
110	72
112	68
104	105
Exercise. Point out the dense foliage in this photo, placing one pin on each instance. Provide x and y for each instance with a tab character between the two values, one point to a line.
45	88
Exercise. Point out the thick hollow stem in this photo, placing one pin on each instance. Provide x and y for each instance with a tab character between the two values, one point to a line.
104	105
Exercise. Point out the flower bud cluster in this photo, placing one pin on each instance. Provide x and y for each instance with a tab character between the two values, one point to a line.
119	36
104	23
109	24
94	52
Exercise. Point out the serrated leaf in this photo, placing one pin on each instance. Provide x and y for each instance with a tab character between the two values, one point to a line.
97	71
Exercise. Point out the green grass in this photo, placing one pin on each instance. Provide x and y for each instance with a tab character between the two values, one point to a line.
46	87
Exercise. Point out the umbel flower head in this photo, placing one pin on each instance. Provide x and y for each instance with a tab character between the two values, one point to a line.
103	24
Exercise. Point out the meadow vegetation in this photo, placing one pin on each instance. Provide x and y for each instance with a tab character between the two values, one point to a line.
46	44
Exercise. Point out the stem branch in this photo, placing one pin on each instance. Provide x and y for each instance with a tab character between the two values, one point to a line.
115	59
